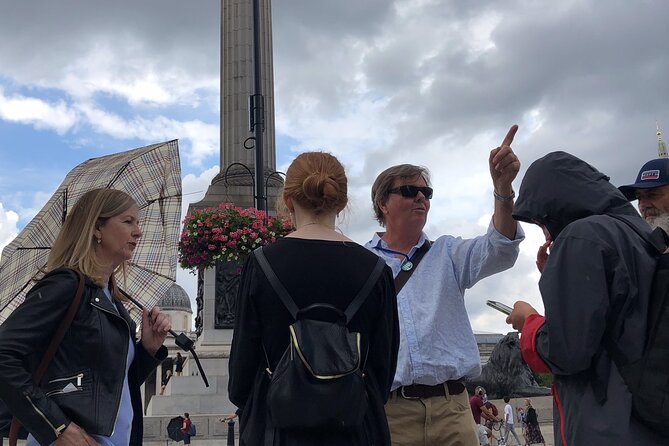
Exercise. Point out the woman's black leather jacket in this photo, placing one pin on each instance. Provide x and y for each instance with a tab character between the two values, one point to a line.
84	381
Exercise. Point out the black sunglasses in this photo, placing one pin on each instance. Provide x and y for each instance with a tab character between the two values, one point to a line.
409	191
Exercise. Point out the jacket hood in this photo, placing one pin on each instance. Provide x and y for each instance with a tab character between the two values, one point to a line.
560	188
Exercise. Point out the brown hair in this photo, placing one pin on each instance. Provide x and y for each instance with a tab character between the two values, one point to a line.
384	182
75	245
317	181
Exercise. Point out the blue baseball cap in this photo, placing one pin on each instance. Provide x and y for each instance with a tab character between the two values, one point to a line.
654	173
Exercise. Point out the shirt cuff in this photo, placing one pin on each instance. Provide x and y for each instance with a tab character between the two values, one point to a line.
528	344
501	238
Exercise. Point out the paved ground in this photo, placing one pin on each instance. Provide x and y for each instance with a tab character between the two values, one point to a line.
543	405
546	430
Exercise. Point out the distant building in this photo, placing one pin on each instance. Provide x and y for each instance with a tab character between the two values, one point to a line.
176	304
486	342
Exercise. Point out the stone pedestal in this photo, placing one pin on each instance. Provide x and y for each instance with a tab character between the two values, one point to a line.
212	340
188	394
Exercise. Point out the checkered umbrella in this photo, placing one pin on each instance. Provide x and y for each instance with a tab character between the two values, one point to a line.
152	176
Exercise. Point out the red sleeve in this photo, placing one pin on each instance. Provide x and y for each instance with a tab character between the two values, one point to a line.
528	346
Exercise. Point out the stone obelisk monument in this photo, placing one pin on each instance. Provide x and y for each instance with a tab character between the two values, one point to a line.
235	182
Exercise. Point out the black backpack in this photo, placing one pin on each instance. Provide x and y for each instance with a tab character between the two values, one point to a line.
318	383
648	377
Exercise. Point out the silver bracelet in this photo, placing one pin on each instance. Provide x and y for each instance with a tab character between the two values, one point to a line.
502	198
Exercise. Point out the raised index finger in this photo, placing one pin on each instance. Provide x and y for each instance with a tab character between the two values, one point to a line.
508	139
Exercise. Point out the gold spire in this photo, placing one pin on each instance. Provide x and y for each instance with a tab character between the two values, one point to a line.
661	147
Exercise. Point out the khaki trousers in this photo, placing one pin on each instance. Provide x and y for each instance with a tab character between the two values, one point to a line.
436	421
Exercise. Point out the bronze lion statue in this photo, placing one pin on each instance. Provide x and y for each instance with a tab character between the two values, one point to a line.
506	374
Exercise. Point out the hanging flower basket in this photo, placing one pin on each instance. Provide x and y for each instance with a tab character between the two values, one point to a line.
226	233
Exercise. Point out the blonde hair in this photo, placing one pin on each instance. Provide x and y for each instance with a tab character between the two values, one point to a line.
384	182
74	246
317	181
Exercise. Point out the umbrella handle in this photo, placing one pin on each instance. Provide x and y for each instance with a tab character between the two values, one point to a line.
199	367
180	340
186	344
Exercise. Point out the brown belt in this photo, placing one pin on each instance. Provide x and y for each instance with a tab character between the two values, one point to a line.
415	391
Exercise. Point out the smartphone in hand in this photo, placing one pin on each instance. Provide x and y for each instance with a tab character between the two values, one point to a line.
499	307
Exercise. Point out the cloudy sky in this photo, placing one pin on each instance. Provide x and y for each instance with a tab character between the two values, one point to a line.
375	82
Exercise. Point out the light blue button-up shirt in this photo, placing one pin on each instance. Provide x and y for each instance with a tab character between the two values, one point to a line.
437	343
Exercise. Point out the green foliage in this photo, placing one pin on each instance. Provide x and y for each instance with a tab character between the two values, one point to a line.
543	379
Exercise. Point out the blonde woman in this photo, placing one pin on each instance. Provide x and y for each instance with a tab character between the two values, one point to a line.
90	393
532	428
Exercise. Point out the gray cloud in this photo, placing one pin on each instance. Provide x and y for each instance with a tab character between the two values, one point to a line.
46	36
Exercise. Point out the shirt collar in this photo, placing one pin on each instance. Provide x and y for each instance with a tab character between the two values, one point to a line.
378	242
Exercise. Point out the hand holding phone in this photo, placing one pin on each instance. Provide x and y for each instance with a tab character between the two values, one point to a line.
499	306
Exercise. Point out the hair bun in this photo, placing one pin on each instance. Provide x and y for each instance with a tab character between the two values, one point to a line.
317	181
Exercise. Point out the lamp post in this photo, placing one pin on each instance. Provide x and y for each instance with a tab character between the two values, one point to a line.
257	110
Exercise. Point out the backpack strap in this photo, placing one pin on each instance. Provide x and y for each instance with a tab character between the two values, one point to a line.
360	298
276	283
290	303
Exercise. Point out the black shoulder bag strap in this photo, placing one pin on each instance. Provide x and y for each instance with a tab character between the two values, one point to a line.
403	276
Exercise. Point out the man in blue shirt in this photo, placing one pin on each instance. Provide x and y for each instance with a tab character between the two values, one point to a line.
438	350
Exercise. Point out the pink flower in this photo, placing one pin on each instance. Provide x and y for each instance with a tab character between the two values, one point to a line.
226	232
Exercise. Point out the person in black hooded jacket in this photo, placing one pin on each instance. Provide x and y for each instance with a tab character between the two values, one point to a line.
595	260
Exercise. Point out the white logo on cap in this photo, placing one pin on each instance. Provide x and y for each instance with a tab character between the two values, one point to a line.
650	175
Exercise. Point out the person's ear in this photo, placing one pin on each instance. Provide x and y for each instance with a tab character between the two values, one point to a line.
289	203
97	234
383	206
